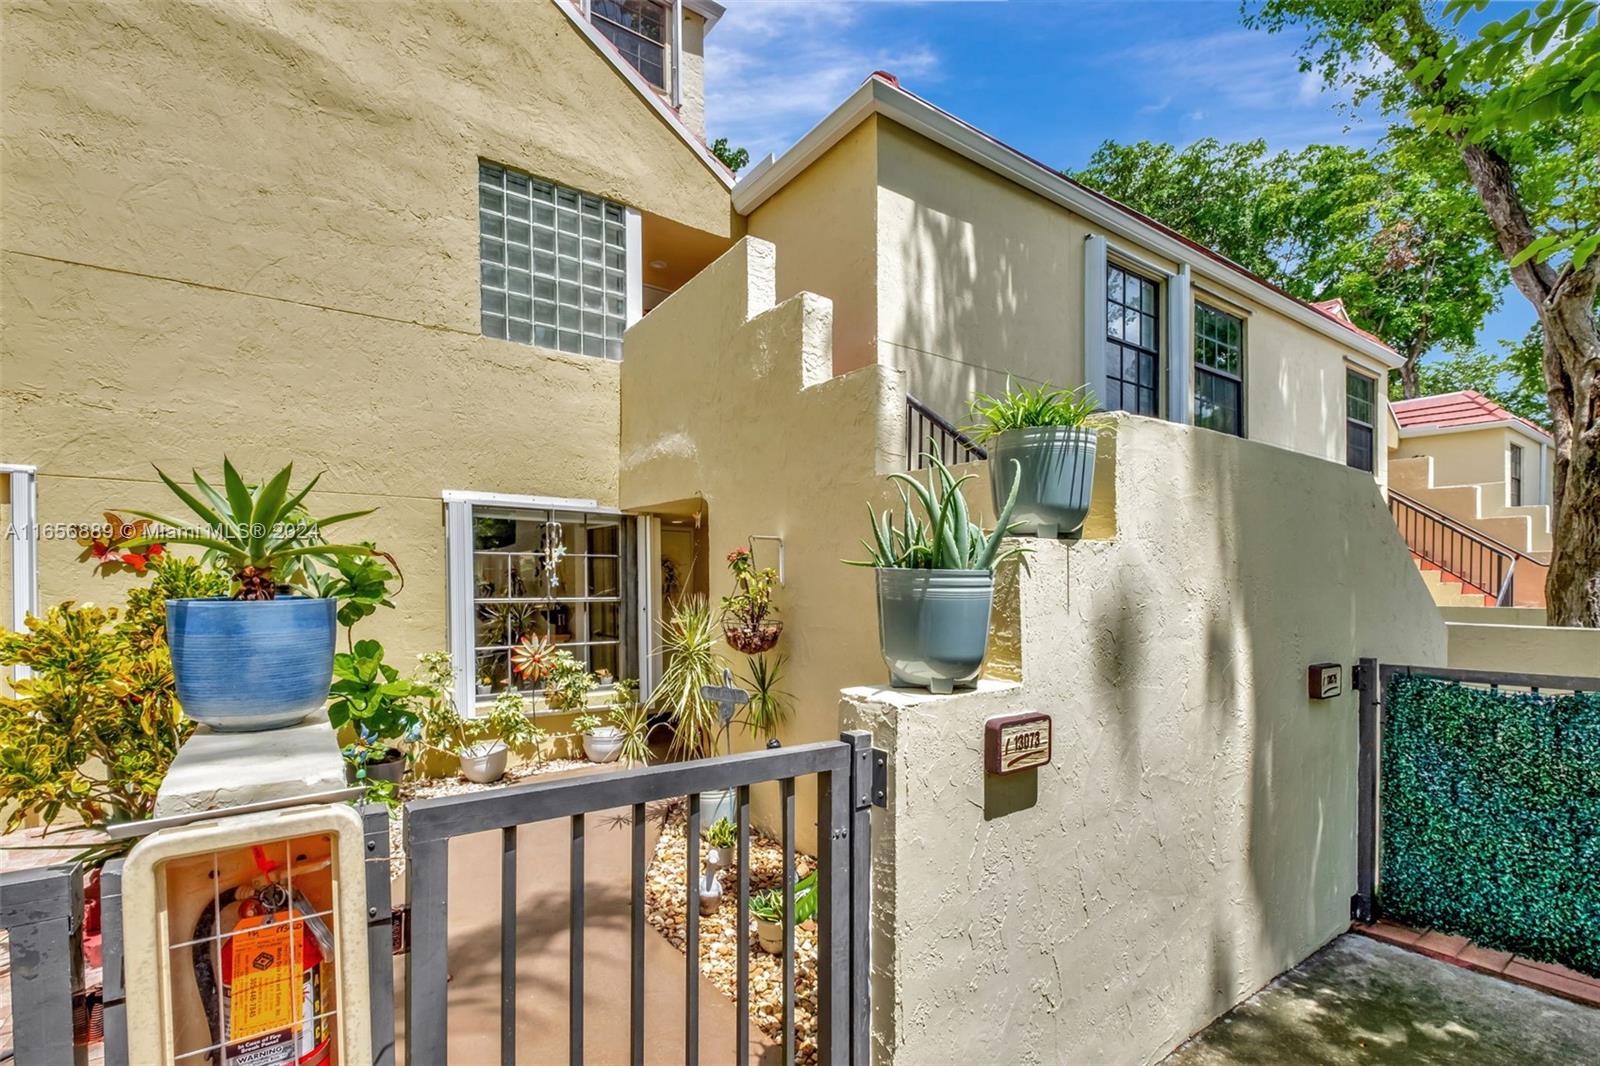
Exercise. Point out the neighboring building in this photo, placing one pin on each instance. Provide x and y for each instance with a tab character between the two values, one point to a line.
1469	485
960	261
403	246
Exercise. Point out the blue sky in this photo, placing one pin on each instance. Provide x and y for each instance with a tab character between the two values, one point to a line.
1053	79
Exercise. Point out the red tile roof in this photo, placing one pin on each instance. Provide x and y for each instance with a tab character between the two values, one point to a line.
1335	309
1455	410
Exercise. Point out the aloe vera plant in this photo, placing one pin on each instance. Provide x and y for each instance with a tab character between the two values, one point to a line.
943	537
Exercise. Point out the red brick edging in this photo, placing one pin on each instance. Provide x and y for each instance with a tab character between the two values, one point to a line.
1459	951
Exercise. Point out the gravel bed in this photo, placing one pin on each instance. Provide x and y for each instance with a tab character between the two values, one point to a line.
719	960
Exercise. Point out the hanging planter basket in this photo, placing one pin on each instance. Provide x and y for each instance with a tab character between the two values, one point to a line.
753	639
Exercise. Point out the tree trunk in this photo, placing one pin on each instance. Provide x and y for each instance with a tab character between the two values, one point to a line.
1409	388
1564	301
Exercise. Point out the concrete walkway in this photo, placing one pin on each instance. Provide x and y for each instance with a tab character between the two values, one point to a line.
1358	1001
542	943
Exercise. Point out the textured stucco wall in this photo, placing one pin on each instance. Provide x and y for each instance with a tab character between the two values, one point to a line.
775	445
692	86
1194	834
823	224
979	278
252	229
1525	649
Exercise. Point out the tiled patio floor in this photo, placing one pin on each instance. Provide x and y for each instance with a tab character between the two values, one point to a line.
1360	1001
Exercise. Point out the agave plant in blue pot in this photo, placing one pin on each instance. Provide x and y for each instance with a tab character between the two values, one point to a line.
936	581
262	658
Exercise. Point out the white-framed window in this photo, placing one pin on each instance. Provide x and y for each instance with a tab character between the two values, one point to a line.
1218	370
1360	404
524	566
1133	347
557	268
1514	481
19	494
639	30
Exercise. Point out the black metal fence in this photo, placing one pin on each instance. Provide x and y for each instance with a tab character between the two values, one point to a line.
928	432
42	910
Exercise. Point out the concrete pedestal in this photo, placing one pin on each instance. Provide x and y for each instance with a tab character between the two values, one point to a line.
215	770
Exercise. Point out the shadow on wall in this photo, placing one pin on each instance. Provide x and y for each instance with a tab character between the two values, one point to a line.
975	302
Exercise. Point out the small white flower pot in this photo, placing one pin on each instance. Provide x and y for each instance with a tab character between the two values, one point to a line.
770	936
603	744
484	763
714	806
718	858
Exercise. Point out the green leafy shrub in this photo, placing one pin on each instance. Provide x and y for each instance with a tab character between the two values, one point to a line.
1491	817
1028	408
587	723
689	646
769	704
567	683
443	728
96	727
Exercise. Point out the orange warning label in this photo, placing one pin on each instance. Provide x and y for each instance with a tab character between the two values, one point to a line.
266	991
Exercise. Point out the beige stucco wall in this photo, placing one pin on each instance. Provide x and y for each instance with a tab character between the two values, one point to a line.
1481	457
692	86
1194	833
776	445
252	230
979	278
823	224
1525	649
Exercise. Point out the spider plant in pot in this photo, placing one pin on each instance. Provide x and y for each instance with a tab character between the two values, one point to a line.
262	658
936	581
1048	436
767	906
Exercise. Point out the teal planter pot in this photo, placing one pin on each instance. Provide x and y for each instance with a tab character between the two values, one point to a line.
1056	481
247	665
933	626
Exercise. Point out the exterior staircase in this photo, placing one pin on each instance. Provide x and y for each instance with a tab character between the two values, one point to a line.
1524	529
1461	566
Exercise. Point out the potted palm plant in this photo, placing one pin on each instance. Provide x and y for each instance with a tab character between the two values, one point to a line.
261	658
936	581
1048	435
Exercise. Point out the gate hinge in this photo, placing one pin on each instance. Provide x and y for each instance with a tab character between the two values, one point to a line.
1355	677
880	778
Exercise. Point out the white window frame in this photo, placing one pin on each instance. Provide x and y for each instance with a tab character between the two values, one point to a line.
22	483
458	505
1221	307
1174	338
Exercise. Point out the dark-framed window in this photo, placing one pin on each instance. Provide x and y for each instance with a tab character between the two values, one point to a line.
1516	475
552	264
1360	403
1133	352
639	30
1218	370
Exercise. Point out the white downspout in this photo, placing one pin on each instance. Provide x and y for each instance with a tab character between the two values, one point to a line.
677	53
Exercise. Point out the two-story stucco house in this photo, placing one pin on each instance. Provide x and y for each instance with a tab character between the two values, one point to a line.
407	244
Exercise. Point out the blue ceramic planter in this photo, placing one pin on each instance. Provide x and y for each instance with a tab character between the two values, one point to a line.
247	665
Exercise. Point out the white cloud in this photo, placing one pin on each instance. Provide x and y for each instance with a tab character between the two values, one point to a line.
774	68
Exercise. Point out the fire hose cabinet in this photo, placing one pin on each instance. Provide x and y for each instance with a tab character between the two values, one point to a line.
246	941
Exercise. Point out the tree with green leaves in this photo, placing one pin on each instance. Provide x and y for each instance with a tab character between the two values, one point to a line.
1496	376
735	159
1409	254
1516	105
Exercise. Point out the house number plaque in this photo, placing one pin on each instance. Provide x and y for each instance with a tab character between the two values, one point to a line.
1016	742
1324	681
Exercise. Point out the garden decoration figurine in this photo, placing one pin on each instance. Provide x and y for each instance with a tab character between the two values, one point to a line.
749	621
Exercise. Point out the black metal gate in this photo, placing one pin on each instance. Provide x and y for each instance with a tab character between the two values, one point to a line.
42	910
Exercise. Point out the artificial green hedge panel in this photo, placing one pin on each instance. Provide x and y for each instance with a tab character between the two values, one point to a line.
1491	817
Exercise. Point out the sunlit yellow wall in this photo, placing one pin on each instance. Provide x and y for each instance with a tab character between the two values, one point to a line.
252	229
979	278
823	221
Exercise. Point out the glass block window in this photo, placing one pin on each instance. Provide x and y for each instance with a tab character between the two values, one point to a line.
639	30
1133	356
564	576
1218	370
553	264
1360	401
